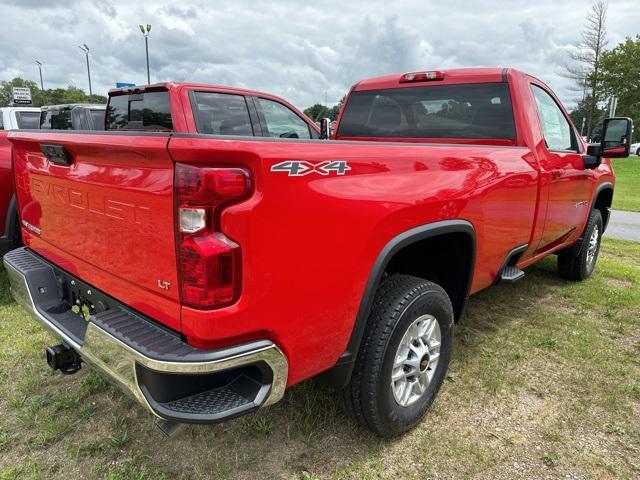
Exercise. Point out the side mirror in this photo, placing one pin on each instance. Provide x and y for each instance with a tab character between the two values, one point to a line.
593	158
325	129
616	137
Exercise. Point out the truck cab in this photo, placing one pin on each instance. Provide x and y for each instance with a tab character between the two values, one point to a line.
501	107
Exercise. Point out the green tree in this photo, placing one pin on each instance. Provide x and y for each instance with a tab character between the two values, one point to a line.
6	94
316	112
52	96
319	111
580	113
335	110
621	78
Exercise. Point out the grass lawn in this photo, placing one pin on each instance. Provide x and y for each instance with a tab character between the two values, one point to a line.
545	383
627	190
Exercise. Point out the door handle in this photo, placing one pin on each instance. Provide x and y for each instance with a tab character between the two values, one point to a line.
56	154
555	174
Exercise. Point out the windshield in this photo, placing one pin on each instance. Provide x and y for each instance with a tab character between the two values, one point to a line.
28	120
481	111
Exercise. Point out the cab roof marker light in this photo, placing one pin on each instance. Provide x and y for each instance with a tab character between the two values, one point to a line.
429	76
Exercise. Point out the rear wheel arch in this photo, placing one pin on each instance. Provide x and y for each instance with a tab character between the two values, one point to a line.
447	236
12	221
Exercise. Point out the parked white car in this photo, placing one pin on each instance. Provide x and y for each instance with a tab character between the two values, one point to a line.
635	149
12	118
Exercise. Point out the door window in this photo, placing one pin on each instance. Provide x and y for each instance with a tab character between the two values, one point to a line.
555	127
222	114
281	121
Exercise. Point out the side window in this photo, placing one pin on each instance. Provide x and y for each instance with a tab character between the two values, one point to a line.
281	121
555	127
1	121
222	114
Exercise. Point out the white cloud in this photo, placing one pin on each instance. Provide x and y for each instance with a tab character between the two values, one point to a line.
290	48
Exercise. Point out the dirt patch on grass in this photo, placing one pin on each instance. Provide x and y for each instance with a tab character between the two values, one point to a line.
619	282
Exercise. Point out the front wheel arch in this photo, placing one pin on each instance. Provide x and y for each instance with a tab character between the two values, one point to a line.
602	200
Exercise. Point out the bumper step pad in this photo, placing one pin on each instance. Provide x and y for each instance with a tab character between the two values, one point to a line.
211	402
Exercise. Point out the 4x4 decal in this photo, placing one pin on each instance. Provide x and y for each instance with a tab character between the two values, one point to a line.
299	168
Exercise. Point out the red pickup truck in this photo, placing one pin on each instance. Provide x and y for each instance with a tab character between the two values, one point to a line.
208	250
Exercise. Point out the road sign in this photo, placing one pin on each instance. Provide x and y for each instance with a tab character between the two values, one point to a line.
21	96
124	85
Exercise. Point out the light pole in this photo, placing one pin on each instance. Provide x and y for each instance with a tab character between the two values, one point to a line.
41	83
85	49
145	32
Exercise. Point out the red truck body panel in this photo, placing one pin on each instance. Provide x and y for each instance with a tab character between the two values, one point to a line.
116	203
309	242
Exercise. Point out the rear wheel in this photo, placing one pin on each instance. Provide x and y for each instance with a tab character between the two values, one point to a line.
638	151
578	262
404	356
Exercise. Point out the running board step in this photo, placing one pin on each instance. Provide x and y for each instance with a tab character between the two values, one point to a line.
511	274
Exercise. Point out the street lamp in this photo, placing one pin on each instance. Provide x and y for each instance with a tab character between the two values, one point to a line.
85	49
41	83
145	32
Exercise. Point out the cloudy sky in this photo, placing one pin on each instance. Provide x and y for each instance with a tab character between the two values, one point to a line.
292	48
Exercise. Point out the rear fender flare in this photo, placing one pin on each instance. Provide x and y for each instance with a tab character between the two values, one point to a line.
10	221
339	375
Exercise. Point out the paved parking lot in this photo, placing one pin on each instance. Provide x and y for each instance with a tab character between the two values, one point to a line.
624	225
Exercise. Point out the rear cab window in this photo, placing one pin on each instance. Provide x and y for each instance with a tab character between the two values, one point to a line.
463	111
139	111
28	120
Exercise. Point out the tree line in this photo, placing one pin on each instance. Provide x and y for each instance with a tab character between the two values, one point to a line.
51	96
318	111
601	75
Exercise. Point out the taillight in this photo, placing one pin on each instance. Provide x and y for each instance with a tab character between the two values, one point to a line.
209	263
422	76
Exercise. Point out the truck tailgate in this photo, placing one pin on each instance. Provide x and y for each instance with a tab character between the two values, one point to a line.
108	215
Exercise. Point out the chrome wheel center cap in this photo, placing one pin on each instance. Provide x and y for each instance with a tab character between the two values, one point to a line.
416	360
424	363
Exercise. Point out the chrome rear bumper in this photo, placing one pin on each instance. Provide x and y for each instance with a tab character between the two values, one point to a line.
153	364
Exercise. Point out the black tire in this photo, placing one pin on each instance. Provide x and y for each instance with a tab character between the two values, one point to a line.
638	152
578	262
369	398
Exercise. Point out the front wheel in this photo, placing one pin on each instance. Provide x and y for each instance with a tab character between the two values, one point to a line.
404	356
578	262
